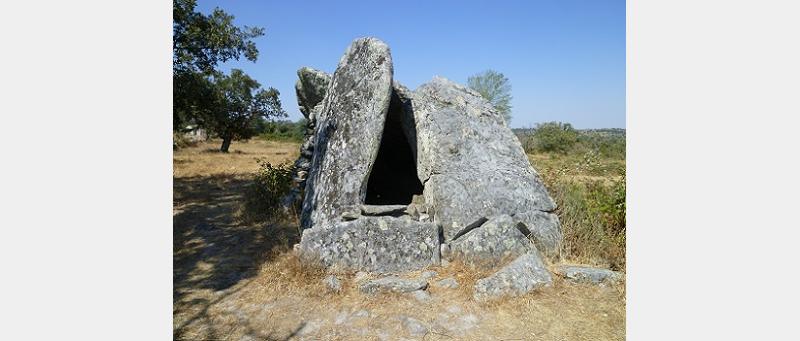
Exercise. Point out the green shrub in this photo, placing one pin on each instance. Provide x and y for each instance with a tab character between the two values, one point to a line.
553	137
592	216
263	198
283	130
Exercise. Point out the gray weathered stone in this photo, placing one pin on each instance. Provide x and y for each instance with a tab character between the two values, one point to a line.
310	88
381	244
523	275
348	131
332	284
379	210
414	326
587	274
392	284
428	275
421	295
447	283
471	163
543	228
495	241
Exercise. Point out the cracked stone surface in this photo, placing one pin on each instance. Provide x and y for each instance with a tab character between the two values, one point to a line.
470	162
490	244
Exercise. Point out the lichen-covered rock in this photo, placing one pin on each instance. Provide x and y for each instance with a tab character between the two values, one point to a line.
380	244
332	283
348	131
310	88
491	243
523	275
470	162
543	228
392	284
587	274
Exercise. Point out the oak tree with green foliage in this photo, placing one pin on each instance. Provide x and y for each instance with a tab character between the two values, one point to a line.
238	105
495	88
199	43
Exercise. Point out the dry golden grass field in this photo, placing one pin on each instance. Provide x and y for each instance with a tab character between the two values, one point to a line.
238	281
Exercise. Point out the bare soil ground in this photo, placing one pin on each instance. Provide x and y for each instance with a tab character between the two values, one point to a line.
237	281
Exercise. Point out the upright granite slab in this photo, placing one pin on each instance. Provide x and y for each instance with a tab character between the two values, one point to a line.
380	244
469	161
348	131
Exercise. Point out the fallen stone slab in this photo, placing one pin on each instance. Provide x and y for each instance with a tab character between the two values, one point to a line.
378	244
523	275
587	274
392	284
490	244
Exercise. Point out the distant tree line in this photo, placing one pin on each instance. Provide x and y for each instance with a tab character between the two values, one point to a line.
228	106
562	138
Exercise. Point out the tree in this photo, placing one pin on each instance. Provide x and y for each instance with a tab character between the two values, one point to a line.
495	88
199	43
554	137
237	106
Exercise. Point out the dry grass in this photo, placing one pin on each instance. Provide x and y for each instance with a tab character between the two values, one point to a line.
234	281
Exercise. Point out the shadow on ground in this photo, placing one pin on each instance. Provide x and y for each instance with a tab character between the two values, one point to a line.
212	248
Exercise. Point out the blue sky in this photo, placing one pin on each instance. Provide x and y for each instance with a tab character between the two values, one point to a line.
565	59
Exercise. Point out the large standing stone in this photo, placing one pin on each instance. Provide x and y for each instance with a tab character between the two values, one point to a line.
348	131
497	240
381	244
470	162
523	275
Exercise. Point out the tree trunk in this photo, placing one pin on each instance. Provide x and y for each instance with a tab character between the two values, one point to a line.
226	143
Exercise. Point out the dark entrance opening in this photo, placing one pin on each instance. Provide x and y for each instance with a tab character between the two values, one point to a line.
393	179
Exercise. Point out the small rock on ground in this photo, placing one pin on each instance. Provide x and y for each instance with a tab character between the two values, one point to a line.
414	326
427	275
587	274
421	295
447	283
523	275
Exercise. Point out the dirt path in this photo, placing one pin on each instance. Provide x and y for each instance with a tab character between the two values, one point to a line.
234	281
